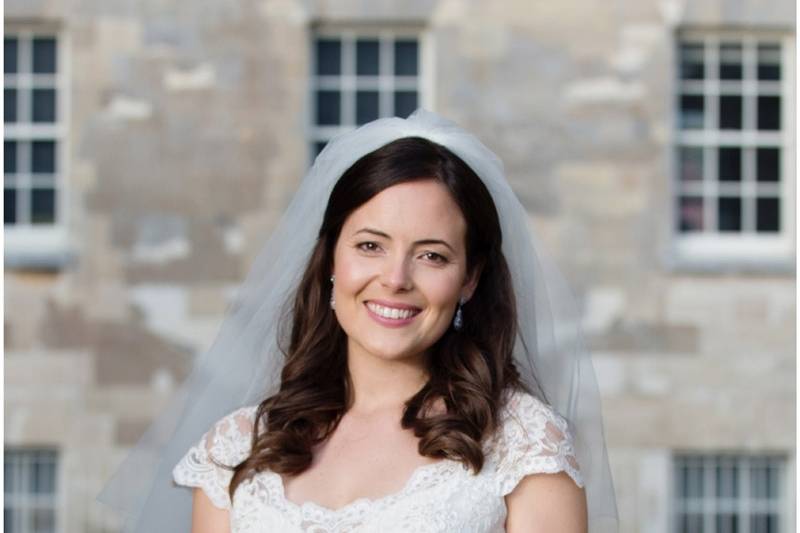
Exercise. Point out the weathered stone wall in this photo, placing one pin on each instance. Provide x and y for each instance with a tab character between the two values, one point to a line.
187	126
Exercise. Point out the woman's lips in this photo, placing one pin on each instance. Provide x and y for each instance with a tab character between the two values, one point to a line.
390	322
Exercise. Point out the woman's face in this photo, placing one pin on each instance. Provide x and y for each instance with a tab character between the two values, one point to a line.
405	247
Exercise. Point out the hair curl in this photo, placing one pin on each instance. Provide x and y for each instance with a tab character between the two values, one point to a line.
469	369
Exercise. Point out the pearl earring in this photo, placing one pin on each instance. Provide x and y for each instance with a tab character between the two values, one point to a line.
333	302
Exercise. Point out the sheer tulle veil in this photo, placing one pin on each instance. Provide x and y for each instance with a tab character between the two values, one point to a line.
242	366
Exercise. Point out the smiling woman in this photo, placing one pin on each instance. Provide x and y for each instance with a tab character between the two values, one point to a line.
421	346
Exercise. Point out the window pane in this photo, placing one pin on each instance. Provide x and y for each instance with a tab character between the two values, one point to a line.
329	57
43	476
769	113
692	523
10	217
44	55
763	523
406	60
8	520
767	164
767	220
10	55
730	112
691	163
692	111
727	523
43	521
43	206
44	105
729	164
730	213
727	480
730	61
318	147
10	157
366	106
43	157
367	57
769	62
405	102
692	63
10	102
691	219
328	108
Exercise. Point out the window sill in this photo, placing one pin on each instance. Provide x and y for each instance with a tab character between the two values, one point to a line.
32	248
724	254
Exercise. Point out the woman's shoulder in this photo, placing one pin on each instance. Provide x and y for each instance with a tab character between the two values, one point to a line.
231	435
532	437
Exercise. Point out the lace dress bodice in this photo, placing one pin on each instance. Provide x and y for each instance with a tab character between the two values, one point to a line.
444	496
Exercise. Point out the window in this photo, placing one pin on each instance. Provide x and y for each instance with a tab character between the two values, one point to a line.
33	146
730	494
359	76
31	486
733	158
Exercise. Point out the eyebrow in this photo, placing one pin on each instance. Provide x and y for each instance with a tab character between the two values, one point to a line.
423	241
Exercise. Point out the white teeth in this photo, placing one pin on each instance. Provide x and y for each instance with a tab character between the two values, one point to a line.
389	312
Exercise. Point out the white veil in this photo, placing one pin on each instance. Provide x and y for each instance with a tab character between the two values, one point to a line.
243	365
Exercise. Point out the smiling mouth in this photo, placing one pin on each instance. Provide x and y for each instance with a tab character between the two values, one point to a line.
390	313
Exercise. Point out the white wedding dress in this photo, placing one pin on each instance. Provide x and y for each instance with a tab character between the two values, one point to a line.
444	496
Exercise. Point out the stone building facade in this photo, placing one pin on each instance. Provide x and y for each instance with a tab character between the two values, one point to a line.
151	146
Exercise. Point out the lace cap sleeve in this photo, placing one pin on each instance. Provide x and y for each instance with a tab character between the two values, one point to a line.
533	438
228	443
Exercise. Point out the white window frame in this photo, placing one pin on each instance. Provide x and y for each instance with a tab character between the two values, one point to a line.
712	250
38	245
709	504
18	497
347	82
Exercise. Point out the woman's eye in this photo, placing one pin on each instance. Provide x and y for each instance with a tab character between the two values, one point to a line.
436	257
365	246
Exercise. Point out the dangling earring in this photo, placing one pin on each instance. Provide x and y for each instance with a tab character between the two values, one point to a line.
458	321
333	302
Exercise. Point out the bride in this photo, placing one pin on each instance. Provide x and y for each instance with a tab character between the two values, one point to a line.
403	400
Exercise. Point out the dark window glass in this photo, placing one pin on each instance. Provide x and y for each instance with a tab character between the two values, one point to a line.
43	474
763	523
367	53
730	61
767	164
405	102
691	163
692	63
43	520
10	157
318	147
328	108
43	157
769	113
10	55
692	111
329	57
10	206
8	520
767	220
730	112
43	206
729	164
691	219
366	106
44	55
727	481
727	523
406	58
692	523
769	62
730	213
10	102
44	105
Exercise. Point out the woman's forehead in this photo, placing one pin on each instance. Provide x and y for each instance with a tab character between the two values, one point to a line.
411	208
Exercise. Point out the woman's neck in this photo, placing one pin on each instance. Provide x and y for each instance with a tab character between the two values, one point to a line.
381	384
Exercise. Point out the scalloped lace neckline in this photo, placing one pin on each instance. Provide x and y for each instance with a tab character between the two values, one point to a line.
415	480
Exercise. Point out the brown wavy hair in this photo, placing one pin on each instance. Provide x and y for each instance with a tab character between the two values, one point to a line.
469	369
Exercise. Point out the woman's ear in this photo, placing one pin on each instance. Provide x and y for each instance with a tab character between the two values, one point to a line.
472	282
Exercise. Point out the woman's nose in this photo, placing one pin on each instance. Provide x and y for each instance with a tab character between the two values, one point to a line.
397	273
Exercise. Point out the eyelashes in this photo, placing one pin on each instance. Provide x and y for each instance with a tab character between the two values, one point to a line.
437	258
